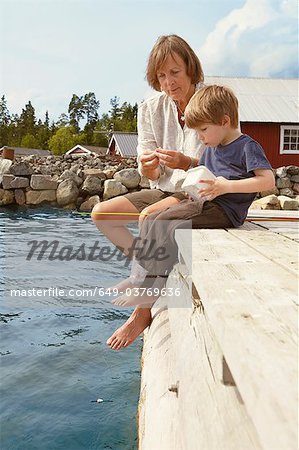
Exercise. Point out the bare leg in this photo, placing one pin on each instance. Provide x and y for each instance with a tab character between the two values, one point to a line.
111	218
139	320
114	227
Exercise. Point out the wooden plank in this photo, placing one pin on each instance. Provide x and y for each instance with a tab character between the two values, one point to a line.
276	214
250	303
275	247
157	410
209	413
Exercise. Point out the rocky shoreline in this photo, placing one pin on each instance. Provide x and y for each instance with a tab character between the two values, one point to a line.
81	182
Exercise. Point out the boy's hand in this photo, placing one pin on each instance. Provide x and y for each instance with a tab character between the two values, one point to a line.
216	187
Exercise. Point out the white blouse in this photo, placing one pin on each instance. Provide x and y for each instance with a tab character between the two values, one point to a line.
158	126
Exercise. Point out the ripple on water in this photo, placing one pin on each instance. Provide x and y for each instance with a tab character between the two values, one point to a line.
54	360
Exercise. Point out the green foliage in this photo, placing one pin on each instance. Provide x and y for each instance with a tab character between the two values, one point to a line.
29	141
26	131
64	139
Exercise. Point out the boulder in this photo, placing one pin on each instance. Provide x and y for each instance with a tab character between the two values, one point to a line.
6	197
42	182
281	172
7	180
283	182
92	185
295	178
21	168
67	192
296	188
5	165
96	172
273	191
288	203
20	197
113	188
19	182
109	173
130	178
287	191
269	202
144	182
90	203
70	174
293	170
38	197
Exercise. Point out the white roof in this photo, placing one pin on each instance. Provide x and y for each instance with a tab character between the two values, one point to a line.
263	99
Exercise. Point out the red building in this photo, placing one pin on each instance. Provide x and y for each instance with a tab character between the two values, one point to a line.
268	110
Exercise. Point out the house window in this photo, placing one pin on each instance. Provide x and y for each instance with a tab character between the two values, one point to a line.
289	139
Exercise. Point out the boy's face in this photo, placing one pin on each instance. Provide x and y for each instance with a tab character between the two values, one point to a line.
212	134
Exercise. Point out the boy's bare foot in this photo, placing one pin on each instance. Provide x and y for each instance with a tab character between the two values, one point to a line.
139	320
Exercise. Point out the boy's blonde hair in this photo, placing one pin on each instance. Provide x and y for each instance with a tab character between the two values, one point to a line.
172	45
210	104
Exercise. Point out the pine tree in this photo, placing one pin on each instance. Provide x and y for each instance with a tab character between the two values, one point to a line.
4	122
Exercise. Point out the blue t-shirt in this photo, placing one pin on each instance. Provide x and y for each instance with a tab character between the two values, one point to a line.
235	161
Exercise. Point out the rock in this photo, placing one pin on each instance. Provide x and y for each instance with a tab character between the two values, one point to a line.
46	170
296	188
42	182
67	192
97	172
38	197
20	197
144	182
273	191
90	203
5	165
293	170
7	180
92	185
295	178
19	182
21	168
70	174
283	182
113	188
269	202
287	203
6	197
130	178
281	172
109	173
287	191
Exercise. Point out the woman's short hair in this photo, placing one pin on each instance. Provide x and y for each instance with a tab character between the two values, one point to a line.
210	104
172	45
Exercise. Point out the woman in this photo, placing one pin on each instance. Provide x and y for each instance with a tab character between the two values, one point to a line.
166	149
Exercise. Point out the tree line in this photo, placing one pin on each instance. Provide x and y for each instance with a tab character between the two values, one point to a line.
24	130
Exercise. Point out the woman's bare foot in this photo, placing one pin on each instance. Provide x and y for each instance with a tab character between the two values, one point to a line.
139	320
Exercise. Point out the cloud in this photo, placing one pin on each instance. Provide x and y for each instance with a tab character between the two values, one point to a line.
259	40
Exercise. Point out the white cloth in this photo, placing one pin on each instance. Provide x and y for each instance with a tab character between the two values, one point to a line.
158	126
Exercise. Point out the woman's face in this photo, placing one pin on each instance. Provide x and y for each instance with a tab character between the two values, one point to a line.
174	80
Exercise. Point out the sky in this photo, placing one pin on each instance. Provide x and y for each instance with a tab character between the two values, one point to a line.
52	49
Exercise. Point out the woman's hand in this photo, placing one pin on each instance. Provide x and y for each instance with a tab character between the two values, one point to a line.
149	160
215	188
173	159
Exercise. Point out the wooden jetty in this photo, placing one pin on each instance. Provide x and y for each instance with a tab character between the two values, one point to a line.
220	362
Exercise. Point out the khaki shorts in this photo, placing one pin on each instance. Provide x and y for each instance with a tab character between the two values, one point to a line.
145	197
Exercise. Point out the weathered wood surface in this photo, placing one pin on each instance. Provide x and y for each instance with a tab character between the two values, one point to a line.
246	280
157	410
250	299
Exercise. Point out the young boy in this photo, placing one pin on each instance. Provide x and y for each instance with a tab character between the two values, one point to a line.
241	169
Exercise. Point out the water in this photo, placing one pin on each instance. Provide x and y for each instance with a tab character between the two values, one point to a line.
54	359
